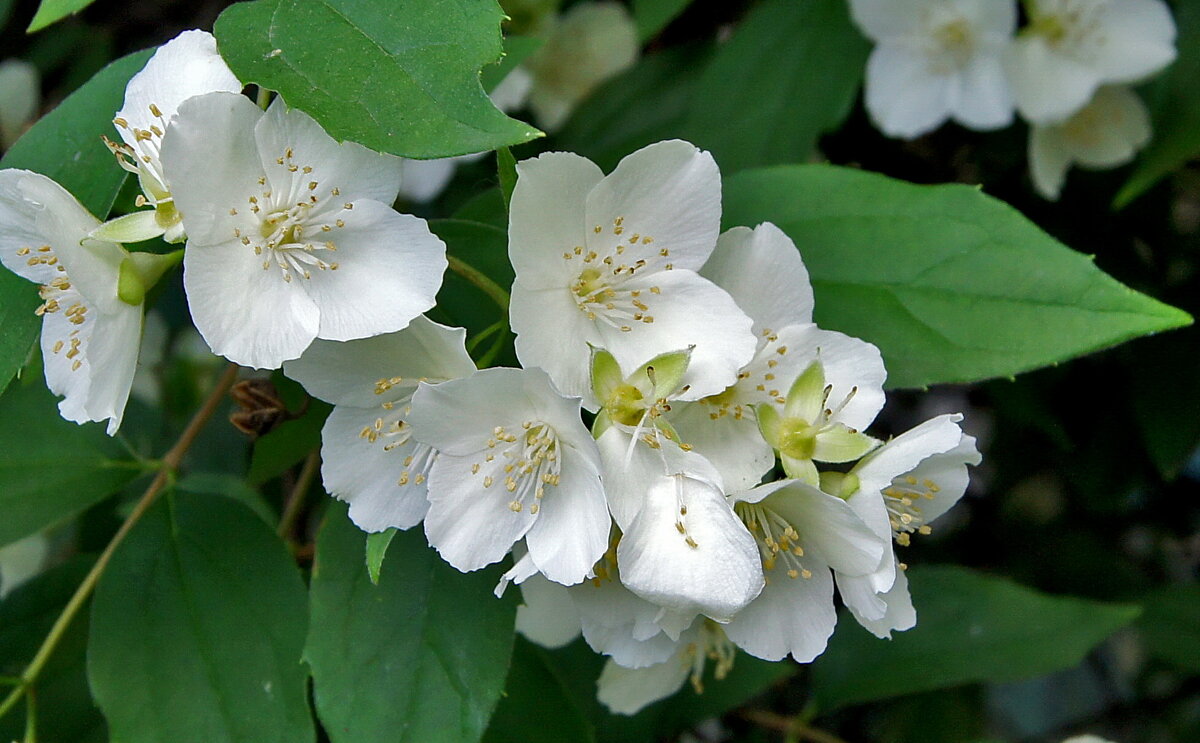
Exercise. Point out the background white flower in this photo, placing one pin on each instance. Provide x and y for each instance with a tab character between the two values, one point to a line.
935	60
20	96
90	336
368	455
290	236
1072	47
611	261
1105	133
514	460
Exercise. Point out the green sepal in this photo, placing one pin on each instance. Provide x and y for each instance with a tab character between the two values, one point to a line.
807	394
840	484
665	372
769	423
135	227
139	272
841	444
606	374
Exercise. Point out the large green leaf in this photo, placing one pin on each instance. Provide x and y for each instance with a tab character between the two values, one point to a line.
952	285
65	145
790	73
198	628
652	16
65	711
485	248
397	76
970	628
533	684
1170	628
1176	113
52	11
421	657
50	468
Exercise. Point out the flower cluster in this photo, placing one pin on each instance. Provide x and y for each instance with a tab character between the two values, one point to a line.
679	468
290	236
1066	72
726	484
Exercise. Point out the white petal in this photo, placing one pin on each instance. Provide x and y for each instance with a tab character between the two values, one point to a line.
733	445
389	269
246	313
792	616
716	577
688	311
20	95
949	471
862	596
547	615
625	691
422	180
1110	130
348	373
22	560
1049	160
186	66
511	93
669	191
357	173
885	19
213	174
983	101
553	334
762	270
630	468
364	474
899	614
571	532
1140	40
547	216
903	453
853	369
620	624
1047	86
904	97
470	526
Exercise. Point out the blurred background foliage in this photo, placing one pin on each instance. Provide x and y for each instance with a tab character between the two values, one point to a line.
1090	486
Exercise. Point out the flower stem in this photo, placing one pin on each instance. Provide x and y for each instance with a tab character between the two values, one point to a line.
295	502
479	279
263	99
170	462
793	727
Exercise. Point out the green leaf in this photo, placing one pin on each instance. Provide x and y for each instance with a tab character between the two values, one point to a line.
287	444
229	486
50	468
506	170
516	50
790	73
421	657
1176	111
952	285
377	545
53	11
970	628
398	80
197	630
1169	628
65	711
533	684
1165	395
652	16
64	145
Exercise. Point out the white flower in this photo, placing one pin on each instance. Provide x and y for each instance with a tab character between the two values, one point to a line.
185	66
801	533
368	455
935	60
762	271
547	615
1072	47
626	691
20	94
514	460
1105	133
897	490
588	44
90	335
611	261
290	236
22	560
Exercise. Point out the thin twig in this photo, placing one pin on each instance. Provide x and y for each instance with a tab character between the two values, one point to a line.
170	462
479	279
295	502
789	726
